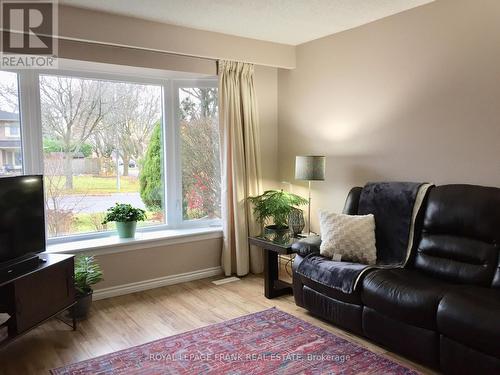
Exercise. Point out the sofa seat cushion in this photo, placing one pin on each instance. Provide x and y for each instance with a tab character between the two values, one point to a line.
405	295
472	316
341	277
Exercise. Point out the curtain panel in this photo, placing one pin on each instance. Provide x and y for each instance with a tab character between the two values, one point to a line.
241	169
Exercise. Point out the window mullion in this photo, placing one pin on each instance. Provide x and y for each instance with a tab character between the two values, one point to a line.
170	142
177	148
31	129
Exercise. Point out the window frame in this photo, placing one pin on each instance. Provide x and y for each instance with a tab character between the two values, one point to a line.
177	84
32	138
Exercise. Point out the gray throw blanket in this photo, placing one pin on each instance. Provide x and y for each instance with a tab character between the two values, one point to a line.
394	205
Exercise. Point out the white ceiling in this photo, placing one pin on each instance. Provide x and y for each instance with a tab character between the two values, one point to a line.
282	21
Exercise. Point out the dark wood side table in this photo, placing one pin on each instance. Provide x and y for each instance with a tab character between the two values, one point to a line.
273	286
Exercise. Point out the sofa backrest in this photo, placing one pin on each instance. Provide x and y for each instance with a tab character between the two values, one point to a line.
460	236
352	201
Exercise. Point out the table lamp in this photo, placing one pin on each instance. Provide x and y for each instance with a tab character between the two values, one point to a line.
309	168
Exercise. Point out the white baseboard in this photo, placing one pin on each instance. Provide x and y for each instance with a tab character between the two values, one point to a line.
139	286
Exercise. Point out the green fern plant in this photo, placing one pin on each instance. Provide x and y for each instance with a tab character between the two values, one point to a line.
87	273
275	205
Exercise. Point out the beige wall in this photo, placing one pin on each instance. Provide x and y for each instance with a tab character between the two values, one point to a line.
88	25
266	86
156	262
415	96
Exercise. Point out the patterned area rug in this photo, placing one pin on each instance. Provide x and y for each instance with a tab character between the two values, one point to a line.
267	342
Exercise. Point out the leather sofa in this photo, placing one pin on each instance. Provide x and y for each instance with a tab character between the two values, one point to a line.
442	309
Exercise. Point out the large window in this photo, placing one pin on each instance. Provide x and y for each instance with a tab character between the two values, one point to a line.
100	138
96	135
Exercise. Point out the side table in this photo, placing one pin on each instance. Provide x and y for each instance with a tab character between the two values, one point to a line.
273	286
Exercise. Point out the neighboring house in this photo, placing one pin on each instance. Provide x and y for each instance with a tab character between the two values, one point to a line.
10	142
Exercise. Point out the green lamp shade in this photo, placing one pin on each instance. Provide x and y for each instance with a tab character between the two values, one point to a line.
310	168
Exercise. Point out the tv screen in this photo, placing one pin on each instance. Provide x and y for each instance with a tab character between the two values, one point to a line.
22	219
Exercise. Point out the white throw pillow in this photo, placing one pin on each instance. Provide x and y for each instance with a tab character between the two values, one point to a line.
351	236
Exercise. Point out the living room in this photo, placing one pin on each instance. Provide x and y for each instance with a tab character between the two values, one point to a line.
250	187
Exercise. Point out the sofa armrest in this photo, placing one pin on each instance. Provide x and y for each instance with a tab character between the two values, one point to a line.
307	245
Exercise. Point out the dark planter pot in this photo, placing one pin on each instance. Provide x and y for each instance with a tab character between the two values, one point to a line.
270	230
81	309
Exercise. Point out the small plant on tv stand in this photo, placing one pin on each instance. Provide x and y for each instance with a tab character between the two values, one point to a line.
87	273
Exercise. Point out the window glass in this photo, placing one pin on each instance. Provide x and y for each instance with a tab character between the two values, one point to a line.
200	159
10	126
102	144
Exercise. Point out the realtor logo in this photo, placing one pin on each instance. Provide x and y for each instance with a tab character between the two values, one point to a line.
28	29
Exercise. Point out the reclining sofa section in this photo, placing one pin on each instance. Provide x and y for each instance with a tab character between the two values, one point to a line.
442	307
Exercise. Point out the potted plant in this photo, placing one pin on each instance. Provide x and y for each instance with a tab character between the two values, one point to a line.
87	273
277	206
126	217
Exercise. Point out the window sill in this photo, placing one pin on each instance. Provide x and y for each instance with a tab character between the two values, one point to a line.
113	244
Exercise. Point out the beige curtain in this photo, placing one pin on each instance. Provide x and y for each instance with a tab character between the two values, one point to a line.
241	174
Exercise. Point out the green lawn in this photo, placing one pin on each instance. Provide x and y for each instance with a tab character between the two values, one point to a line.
98	185
85	223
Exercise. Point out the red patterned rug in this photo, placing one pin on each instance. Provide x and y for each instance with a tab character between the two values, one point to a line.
267	342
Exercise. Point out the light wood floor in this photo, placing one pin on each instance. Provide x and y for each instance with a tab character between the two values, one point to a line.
120	322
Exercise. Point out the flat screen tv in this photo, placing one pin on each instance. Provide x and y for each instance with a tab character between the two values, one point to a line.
22	218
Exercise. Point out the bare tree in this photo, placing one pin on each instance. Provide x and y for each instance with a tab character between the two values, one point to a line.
72	109
60	216
198	103
103	141
135	111
9	97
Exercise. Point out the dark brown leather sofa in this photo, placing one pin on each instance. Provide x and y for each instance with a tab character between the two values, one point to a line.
443	308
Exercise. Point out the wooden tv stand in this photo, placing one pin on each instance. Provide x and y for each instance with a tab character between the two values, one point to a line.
33	297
